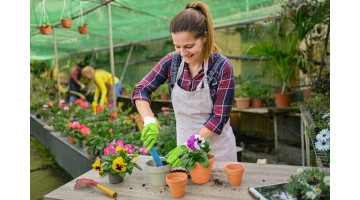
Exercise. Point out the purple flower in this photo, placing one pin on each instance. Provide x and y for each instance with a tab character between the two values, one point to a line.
195	142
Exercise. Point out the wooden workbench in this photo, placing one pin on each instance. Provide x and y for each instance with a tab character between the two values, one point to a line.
136	186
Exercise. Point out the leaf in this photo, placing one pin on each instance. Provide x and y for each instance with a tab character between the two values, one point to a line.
137	166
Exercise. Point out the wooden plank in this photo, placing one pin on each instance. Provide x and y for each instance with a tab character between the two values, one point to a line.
137	186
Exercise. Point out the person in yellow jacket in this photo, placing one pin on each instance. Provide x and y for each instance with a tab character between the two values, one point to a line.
100	81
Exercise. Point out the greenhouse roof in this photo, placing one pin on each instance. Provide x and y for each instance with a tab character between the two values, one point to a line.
133	21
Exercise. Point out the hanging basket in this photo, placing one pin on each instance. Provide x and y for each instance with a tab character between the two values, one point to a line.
83	29
45	30
66	23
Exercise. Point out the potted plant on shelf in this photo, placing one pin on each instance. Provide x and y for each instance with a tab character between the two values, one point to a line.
164	91
242	98
310	183
117	161
196	159
66	22
258	93
83	28
45	28
279	45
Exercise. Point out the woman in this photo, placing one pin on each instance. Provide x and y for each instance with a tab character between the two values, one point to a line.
74	82
100	81
201	83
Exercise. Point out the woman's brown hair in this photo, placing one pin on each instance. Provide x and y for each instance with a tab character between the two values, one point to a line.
196	18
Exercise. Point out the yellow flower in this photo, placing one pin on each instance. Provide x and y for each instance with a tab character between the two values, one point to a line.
119	165
118	148
97	166
136	155
125	151
317	191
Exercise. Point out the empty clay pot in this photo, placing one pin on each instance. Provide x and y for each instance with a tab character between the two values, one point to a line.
234	173
177	183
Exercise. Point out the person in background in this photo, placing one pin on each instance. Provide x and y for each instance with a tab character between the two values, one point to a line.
201	83
100	81
74	81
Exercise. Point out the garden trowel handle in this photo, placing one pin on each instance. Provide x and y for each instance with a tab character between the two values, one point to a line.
107	190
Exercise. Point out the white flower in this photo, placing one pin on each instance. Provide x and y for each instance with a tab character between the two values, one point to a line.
327	180
200	141
317	191
300	170
322	145
323	135
326	115
310	195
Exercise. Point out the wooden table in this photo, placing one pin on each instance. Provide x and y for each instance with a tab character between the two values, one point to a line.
136	186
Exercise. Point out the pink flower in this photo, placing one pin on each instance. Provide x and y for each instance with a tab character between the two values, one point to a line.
84	104
85	131
51	103
109	105
75	123
143	150
82	126
45	106
95	125
136	147
128	146
120	143
62	101
166	113
60	105
111	131
112	144
66	108
114	152
107	151
131	151
165	109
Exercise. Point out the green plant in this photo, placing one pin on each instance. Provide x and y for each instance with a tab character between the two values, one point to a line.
242	90
259	91
197	150
116	160
310	183
164	88
84	24
45	24
279	45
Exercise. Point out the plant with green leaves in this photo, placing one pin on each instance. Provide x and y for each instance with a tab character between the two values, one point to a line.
279	45
242	90
45	24
117	160
310	183
196	150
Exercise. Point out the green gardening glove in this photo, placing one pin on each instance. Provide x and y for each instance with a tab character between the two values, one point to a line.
149	135
173	156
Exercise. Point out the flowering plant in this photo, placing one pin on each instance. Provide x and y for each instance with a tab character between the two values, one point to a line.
118	159
310	183
196	150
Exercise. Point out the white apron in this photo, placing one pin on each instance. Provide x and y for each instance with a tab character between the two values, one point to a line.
192	109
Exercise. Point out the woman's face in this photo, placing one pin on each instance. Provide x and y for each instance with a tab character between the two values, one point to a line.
190	48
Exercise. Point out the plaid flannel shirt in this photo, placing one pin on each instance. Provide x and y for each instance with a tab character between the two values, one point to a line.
221	87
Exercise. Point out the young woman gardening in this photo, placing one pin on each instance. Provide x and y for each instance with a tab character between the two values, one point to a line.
201	84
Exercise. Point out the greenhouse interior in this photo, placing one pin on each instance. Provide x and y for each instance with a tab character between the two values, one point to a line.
168	99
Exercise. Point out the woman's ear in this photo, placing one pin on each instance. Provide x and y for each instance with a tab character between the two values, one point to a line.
205	36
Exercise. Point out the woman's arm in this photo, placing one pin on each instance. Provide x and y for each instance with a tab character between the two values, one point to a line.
144	108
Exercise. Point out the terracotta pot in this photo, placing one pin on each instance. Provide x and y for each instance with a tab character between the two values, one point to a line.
157	175
200	174
88	151
83	29
66	23
267	150
307	94
177	183
71	140
46	30
164	96
256	103
283	100
242	103
234	172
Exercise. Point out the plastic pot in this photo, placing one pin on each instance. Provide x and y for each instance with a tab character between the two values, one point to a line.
113	179
234	172
157	175
177	183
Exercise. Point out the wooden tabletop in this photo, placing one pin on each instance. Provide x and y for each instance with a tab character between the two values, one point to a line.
137	186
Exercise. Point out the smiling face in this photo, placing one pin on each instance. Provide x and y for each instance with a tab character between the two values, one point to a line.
190	48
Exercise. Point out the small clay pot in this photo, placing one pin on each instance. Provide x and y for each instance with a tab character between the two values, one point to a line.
71	140
234	172
242	103
46	30
283	100
256	103
177	183
83	29
164	96
66	23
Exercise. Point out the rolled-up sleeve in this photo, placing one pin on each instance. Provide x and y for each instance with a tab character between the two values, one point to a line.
220	114
157	76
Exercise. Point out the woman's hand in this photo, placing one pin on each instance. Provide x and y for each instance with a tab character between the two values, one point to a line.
174	156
